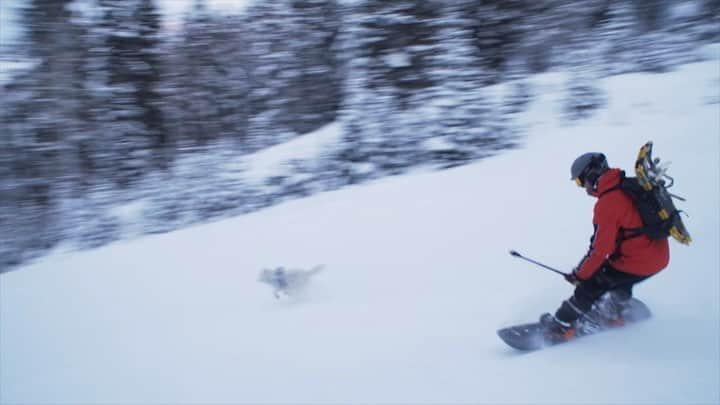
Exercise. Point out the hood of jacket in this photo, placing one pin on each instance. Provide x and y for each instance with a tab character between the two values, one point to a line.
607	181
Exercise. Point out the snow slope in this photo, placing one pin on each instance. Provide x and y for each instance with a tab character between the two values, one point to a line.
417	281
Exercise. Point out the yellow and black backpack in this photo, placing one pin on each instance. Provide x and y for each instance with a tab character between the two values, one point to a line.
649	191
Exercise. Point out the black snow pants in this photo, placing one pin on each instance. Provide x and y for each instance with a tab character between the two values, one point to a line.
588	291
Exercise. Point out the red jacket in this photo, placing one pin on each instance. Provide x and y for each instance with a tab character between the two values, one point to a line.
614	211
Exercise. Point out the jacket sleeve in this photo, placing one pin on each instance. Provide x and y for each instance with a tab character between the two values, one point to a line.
602	243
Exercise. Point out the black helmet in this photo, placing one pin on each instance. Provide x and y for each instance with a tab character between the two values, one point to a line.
588	168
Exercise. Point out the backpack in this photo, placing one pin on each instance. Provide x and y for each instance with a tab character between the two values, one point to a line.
653	201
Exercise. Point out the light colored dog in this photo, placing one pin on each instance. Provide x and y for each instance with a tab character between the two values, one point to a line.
287	282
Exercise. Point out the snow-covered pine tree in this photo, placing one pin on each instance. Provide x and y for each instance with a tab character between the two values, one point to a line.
206	79
540	31
198	79
710	20
496	29
273	65
232	101
465	124
651	14
583	92
293	69
619	37
685	25
131	118
149	95
42	119
390	45
578	54
315	92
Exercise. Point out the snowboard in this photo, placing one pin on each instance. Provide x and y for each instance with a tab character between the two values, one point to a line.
531	336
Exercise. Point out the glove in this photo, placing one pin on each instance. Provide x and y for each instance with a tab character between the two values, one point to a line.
572	278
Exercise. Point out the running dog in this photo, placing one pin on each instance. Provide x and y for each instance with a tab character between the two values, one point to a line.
288	282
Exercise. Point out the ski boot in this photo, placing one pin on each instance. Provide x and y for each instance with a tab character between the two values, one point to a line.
623	302
609	310
555	330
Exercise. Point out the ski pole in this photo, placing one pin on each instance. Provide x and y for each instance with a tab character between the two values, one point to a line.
518	255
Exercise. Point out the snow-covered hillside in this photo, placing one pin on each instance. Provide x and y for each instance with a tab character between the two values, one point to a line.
417	281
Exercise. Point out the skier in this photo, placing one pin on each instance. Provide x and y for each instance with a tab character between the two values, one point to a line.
616	260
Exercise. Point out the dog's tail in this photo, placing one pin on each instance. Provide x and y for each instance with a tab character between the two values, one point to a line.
316	269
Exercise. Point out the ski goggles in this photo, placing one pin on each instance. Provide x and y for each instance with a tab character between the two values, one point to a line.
580	180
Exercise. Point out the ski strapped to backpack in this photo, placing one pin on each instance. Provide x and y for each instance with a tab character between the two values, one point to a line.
649	192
